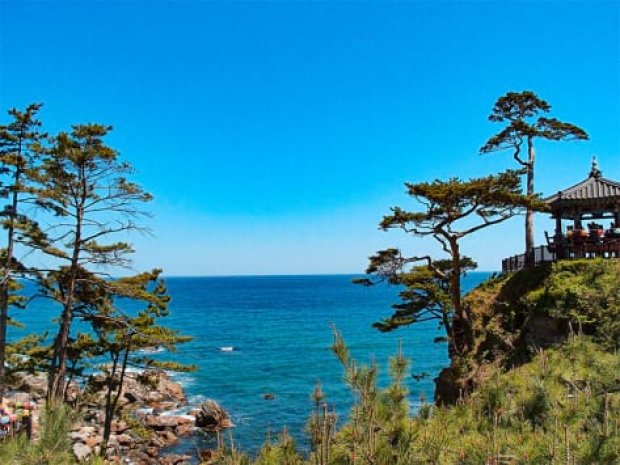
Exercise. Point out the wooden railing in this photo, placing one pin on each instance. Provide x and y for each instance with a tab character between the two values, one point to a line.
608	247
542	254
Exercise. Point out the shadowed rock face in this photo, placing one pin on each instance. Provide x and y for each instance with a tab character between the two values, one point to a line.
212	417
516	315
152	391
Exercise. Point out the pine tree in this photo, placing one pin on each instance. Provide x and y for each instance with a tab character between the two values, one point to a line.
520	111
121	334
86	186
453	209
20	150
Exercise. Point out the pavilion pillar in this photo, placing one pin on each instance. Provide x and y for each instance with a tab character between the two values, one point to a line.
558	241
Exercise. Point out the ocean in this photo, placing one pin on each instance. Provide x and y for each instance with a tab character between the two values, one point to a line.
272	334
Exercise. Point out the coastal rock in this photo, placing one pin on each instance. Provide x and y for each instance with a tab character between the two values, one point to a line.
119	426
152	388
93	441
34	384
174	460
168	437
124	440
81	451
154	397
156	442
79	436
213	417
161	421
184	430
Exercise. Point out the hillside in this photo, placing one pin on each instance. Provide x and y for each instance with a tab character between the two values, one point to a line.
518	314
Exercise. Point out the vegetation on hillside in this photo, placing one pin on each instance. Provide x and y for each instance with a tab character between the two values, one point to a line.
69	203
562	408
534	364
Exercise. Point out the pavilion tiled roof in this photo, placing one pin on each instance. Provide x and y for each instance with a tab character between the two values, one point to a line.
595	187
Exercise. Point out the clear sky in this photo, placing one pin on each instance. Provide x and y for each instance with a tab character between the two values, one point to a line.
274	135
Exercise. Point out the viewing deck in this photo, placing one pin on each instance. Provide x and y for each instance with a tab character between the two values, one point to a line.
594	199
566	249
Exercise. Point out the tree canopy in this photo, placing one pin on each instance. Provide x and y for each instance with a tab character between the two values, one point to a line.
451	210
523	114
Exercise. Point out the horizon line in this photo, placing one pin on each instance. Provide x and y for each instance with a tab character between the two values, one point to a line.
283	275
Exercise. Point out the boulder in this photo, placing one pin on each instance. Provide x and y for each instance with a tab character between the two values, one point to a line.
168	437
35	384
81	451
213	417
184	430
119	426
154	397
93	441
79	436
125	440
161	421
174	460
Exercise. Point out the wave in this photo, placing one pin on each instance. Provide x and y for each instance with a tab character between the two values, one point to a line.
227	349
152	350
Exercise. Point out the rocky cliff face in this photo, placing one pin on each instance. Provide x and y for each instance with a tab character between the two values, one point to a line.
516	315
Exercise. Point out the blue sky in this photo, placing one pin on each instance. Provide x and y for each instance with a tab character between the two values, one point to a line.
274	135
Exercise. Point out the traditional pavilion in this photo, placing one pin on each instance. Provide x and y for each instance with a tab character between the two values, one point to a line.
592	211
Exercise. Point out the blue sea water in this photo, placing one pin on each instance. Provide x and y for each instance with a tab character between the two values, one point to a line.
279	328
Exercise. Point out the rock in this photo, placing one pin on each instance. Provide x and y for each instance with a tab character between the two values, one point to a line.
138	457
161	421
154	396
209	456
163	406
174	459
93	441
79	436
20	397
152	451
156	442
168	437
184	430
35	384
543	331
81	451
87	430
130	397
119	426
146	388
124	439
213	417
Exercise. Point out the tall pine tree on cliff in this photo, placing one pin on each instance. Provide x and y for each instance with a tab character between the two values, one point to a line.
86	186
451	210
521	110
20	150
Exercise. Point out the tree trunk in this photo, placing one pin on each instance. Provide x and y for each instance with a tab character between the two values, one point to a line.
109	408
461	325
529	214
6	279
111	405
58	367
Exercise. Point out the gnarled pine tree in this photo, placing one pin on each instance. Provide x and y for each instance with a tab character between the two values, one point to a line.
85	184
521	110
453	209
